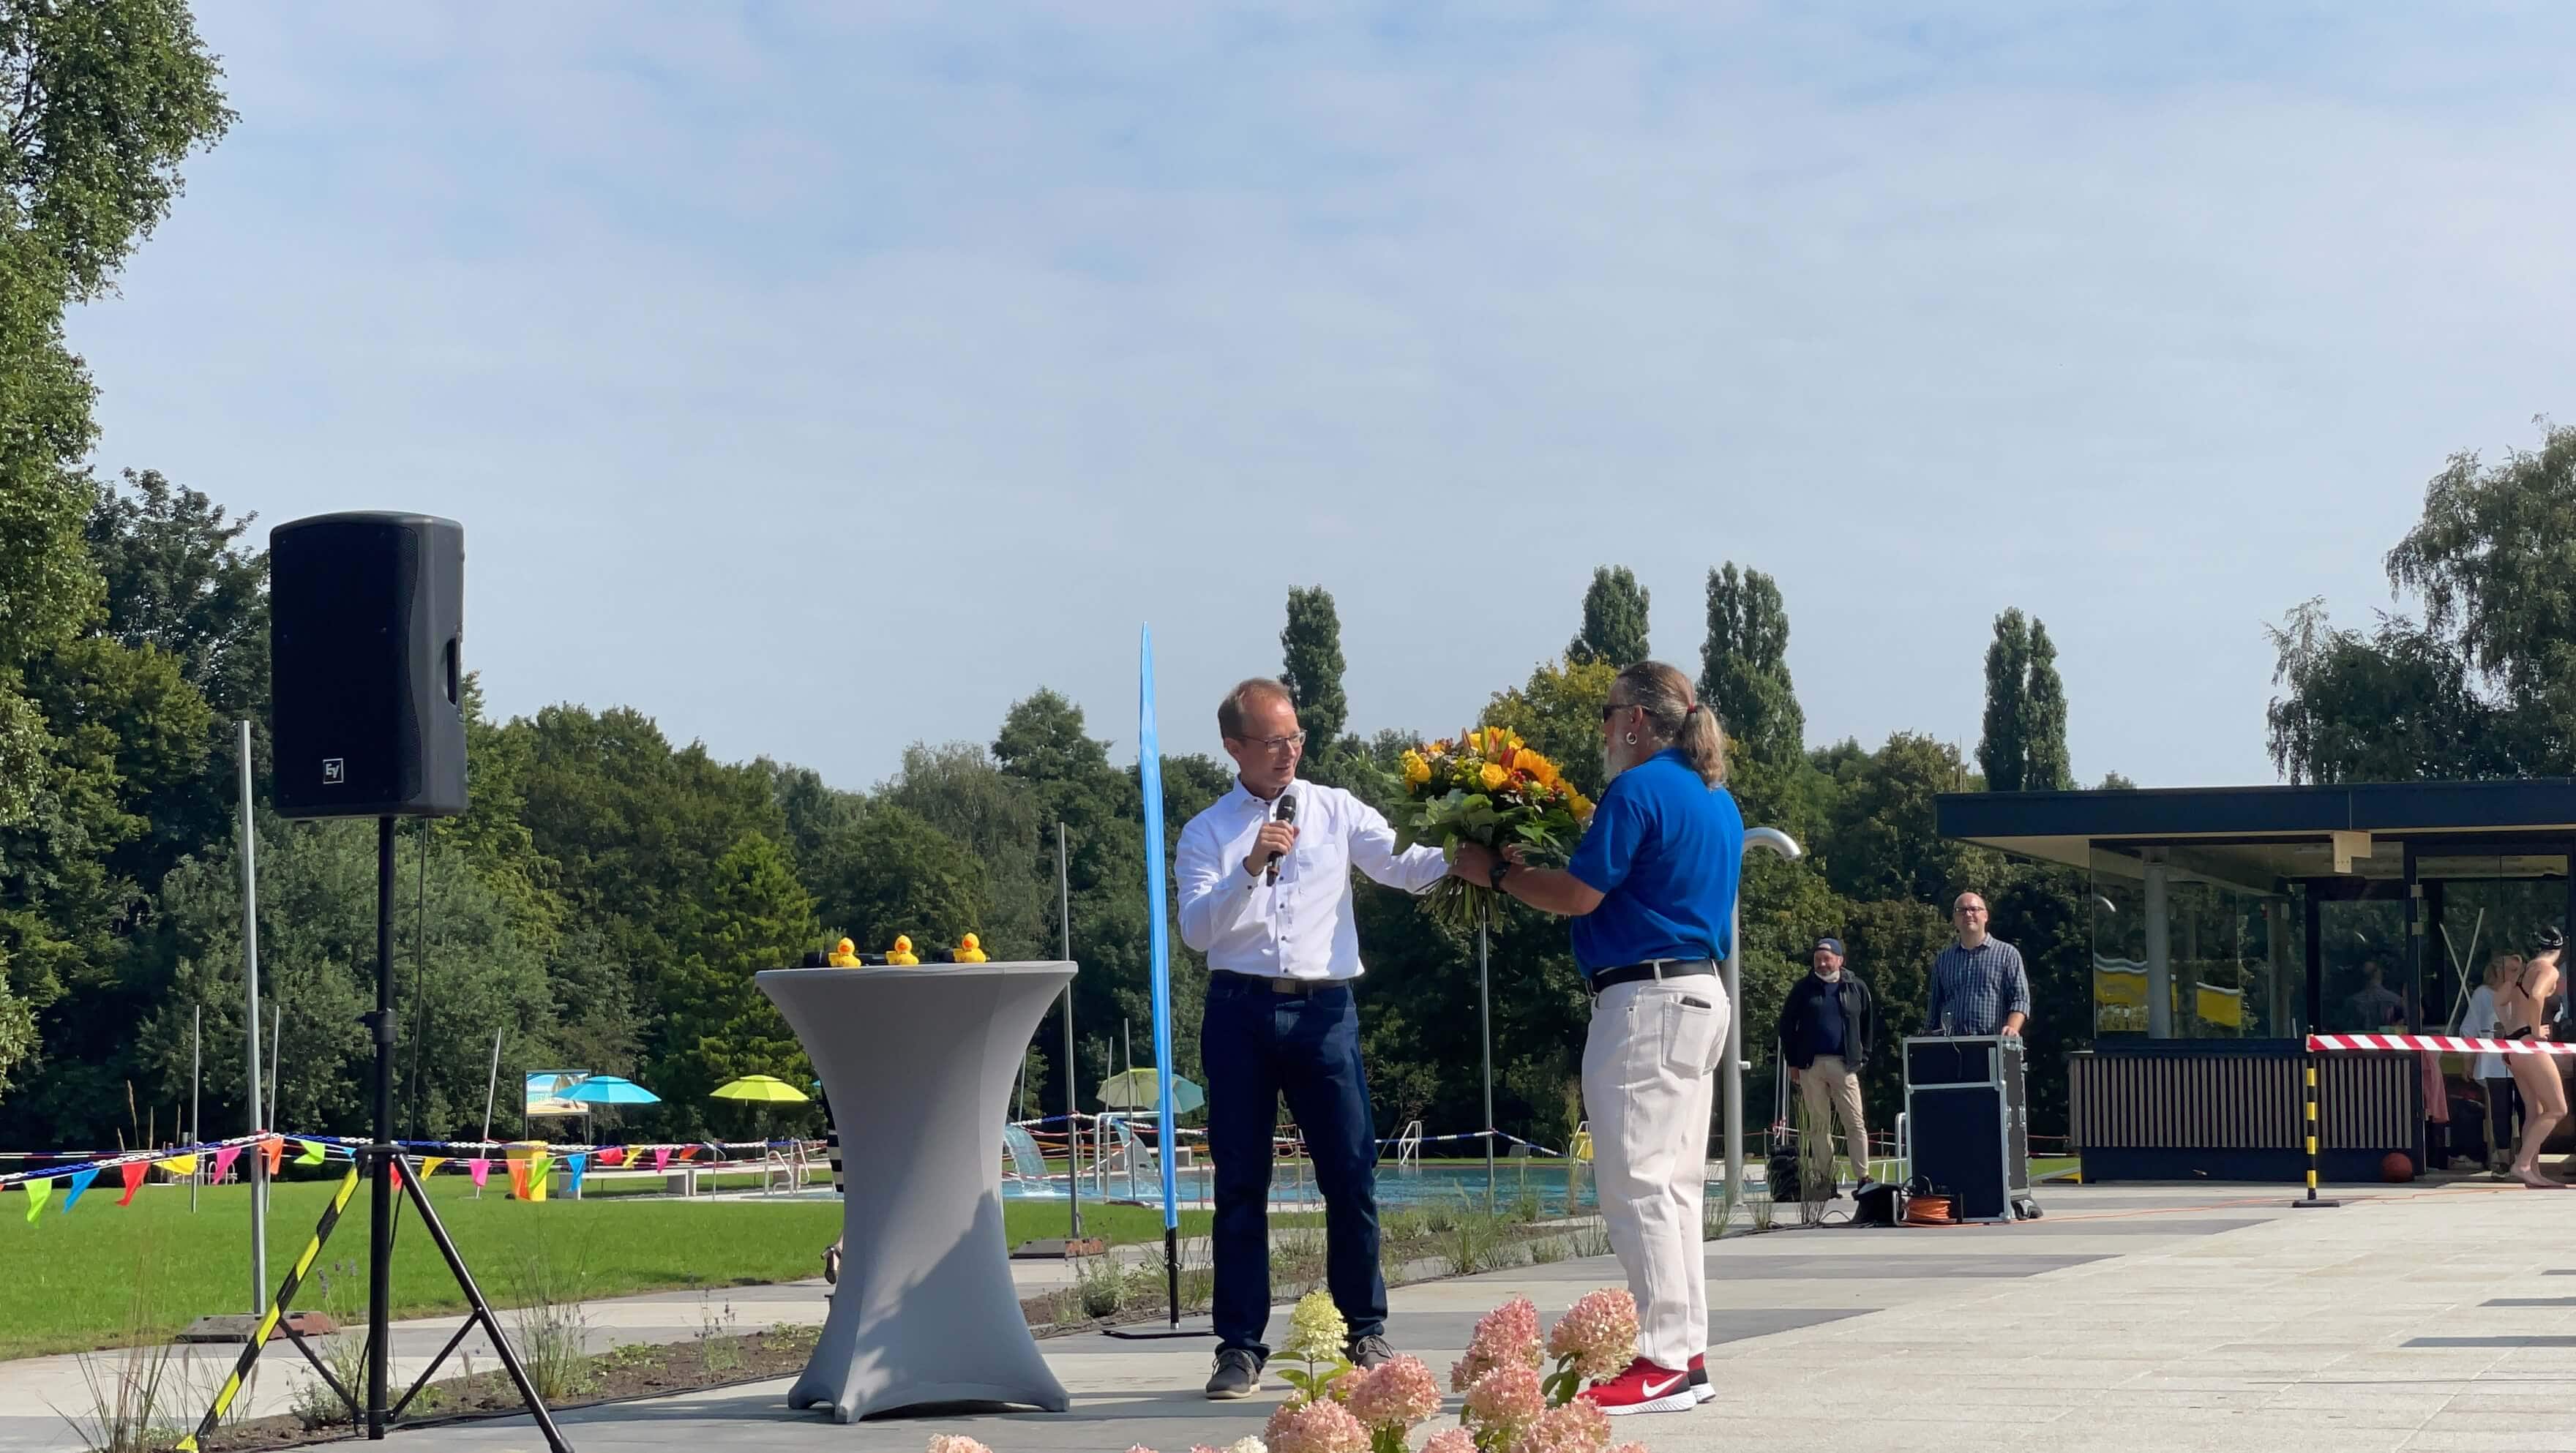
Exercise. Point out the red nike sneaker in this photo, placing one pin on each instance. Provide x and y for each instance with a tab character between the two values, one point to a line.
1699	1379
1643	1388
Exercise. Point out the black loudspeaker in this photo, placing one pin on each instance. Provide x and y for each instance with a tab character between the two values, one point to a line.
366	623
1968	1124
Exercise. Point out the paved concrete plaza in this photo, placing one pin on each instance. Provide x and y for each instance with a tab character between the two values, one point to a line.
2131	1317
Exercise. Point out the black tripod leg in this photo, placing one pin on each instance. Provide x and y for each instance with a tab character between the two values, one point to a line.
350	1399
276	1313
482	1310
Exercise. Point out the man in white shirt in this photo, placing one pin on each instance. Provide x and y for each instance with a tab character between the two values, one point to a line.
1265	894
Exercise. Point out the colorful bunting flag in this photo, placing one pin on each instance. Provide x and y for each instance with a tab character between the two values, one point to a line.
181	1166
133	1171
661	1157
614	1155
80	1183
38	1193
539	1164
429	1166
224	1159
480	1169
275	1149
312	1152
519	1179
578	1165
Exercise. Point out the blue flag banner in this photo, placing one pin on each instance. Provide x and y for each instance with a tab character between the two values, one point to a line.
1149	767
80	1183
580	1166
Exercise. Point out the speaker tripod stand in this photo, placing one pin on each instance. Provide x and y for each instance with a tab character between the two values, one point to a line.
382	1165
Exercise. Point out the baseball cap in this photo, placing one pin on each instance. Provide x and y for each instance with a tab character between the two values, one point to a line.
1834	944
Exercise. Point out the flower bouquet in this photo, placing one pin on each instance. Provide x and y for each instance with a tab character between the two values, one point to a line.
1487	788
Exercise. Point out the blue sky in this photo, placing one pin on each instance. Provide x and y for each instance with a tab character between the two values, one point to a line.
821	379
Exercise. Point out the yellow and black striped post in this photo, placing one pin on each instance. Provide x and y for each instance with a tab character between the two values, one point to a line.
2309	1101
276	1312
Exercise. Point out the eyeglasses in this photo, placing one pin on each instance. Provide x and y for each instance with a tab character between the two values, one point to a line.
1614	708
1276	745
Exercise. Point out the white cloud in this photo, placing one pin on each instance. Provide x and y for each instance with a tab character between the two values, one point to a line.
818	385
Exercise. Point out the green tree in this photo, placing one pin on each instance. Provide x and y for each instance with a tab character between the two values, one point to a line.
895	874
1614	620
958	790
714	1023
1883	842
101	102
1744	666
1312	645
2397	705
317	926
2004	752
1558	714
2481	686
2046	766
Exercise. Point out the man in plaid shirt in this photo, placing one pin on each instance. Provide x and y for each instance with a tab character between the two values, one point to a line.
1978	983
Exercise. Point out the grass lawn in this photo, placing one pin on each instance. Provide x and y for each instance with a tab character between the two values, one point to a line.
92	1277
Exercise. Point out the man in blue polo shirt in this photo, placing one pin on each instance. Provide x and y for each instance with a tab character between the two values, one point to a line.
1651	890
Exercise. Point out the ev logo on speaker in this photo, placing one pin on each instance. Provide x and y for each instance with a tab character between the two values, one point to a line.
333	772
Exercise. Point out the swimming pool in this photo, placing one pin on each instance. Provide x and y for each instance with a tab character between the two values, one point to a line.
1555	1184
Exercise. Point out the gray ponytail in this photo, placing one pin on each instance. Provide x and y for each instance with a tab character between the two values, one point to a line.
1676	719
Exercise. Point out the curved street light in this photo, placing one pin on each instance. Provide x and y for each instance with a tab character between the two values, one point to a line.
1772	840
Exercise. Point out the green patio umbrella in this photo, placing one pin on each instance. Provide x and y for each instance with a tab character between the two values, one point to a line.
1142	1090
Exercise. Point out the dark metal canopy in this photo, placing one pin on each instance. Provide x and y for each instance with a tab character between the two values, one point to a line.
2257	835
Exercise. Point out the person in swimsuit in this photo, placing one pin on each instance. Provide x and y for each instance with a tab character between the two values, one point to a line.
2522	1007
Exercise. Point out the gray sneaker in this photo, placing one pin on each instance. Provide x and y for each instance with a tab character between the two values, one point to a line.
1368	1353
1237	1375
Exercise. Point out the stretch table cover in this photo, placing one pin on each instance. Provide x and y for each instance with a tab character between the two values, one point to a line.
918	1064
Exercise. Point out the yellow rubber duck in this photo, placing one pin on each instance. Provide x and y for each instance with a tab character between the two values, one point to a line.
970	950
903	956
844	955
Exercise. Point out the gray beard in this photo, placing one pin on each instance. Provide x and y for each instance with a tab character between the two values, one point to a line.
1618	757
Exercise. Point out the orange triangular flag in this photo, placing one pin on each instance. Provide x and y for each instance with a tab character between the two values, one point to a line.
519	1179
275	1149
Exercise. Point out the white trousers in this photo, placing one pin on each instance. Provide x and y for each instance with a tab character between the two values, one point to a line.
1648	1073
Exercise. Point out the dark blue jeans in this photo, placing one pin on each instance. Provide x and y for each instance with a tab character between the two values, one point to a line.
1256	1046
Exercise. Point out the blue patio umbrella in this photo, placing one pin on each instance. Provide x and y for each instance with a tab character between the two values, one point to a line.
610	1090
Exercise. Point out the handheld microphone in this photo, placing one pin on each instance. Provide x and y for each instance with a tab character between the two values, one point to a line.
1287	813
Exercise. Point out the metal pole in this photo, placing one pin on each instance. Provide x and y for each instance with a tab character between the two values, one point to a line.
1072	1093
2310	1097
491	1089
419	974
1485	1019
196	1089
247	847
380	1169
1769	839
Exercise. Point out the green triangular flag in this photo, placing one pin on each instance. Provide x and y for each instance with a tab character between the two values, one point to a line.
312	1152
38	1193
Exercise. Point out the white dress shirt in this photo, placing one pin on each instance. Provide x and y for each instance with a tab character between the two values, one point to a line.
1300	928
2479	1022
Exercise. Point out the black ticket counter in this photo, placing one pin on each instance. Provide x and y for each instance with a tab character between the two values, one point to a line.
2230	1110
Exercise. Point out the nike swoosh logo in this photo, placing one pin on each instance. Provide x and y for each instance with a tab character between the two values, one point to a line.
1656	1390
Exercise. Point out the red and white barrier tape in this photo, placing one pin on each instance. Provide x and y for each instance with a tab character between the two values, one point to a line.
2444	1043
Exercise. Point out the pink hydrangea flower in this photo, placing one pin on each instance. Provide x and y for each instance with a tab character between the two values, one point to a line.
1506	1337
1599	1333
1317	1427
1400	1394
1453	1440
1506	1401
955	1443
1629	1448
1576	1427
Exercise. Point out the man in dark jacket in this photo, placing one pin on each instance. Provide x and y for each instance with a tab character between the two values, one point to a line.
1826	1030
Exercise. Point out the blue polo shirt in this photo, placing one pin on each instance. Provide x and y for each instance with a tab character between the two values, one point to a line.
1664	851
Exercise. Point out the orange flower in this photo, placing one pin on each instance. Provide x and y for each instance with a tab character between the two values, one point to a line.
1525	760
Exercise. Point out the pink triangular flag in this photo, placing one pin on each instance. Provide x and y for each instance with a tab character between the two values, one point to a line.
479	1168
224	1159
661	1157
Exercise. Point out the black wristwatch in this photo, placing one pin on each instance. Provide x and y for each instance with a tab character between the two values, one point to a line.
1502	865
